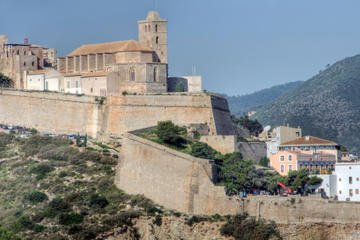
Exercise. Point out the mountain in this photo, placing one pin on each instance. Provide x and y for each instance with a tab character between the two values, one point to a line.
327	105
240	105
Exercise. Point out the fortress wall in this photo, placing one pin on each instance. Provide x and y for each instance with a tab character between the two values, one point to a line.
222	116
223	144
252	150
134	112
51	112
312	209
61	113
170	178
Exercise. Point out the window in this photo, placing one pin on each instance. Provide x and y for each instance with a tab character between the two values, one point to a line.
357	191
149	28
156	28
68	84
340	192
282	168
32	63
132	74
350	180
357	179
46	85
24	63
339	179
290	157
155	74
290	167
77	84
157	40
282	158
297	134
145	28
91	90
350	192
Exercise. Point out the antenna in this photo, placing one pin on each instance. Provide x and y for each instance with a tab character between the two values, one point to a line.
155	5
193	70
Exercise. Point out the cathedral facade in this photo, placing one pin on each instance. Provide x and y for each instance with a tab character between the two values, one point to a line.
123	67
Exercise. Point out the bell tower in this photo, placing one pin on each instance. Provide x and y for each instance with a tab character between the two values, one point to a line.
153	33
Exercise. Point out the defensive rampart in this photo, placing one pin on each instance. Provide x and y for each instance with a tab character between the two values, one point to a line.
171	178
113	115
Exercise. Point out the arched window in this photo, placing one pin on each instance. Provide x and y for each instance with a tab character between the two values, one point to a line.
132	74
156	28
157	40
145	28
149	28
155	74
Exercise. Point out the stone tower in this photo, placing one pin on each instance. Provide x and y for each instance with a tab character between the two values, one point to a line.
153	33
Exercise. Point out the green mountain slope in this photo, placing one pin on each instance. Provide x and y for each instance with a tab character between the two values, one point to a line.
327	105
240	105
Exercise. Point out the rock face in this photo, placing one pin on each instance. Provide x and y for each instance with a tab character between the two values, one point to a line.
327	105
173	228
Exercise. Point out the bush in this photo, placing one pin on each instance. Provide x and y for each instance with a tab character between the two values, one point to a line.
62	153
121	219
7	235
169	133
243	227
59	205
36	197
202	150
195	219
33	145
158	220
98	201
25	222
5	139
264	162
70	218
41	170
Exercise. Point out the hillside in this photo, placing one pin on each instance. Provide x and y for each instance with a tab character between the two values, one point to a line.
240	105
327	105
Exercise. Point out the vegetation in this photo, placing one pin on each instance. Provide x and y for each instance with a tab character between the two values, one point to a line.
241	105
327	105
253	126
55	190
264	162
243	227
169	133
6	82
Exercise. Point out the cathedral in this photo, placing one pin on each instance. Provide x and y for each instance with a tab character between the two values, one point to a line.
102	69
120	67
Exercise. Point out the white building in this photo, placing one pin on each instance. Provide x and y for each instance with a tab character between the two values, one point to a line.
44	80
348	181
328	185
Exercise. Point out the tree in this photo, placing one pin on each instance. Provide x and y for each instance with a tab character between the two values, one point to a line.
169	133
264	162
6	82
202	150
253	126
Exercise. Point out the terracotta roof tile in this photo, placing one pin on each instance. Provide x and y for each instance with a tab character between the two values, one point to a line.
110	47
309	140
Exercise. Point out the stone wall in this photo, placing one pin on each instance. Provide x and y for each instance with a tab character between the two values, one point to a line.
252	150
170	178
296	209
114	115
223	144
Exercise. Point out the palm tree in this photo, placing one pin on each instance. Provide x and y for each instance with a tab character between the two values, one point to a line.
6	82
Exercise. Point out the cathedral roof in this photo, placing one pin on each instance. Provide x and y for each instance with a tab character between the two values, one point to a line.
110	47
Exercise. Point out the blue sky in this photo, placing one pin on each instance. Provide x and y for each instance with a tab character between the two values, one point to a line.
237	46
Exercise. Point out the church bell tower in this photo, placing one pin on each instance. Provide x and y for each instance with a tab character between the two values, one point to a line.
153	33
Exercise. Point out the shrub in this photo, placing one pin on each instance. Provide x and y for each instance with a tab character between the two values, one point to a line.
202	150
62	153
243	227
35	197
121	219
98	201
195	219
7	235
5	139
70	218
33	145
25	222
59	205
169	133
264	162
41	170
157	220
